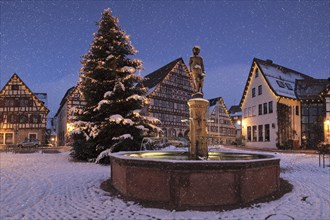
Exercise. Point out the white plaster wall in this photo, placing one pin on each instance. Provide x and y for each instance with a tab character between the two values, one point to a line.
271	119
61	122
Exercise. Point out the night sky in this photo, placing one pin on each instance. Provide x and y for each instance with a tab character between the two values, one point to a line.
43	41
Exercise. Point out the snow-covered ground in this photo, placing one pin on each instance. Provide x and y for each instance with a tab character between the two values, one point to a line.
49	186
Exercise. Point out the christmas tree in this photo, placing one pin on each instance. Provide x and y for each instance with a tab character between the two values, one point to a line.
111	120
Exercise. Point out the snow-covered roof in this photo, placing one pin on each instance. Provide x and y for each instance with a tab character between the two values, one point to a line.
280	79
236	114
311	89
153	79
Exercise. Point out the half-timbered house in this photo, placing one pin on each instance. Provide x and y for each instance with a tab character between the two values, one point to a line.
220	126
169	90
65	116
22	114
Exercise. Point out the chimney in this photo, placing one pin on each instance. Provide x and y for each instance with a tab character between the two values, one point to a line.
269	61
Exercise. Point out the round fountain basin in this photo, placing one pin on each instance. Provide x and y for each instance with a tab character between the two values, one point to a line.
170	179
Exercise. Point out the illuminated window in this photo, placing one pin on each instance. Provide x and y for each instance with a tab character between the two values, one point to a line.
9	138
2	138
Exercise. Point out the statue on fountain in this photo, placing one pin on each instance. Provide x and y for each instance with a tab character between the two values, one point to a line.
198	109
197	72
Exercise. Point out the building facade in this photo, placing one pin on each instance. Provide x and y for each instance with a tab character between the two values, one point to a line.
220	126
235	113
22	114
312	94
65	117
272	109
170	88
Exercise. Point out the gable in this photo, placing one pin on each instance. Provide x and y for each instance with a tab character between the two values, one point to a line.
15	87
280	80
219	103
154	80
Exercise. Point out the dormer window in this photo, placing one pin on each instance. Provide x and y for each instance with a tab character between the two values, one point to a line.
288	85
280	84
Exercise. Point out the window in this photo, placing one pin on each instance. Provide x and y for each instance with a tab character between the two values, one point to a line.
270	107
254	133
288	85
253	111
260	90
32	136
9	138
267	136
35	119
280	84
253	92
23	119
265	108
25	103
257	73
260	109
2	138
297	110
249	133
9	102
12	118
260	132
14	87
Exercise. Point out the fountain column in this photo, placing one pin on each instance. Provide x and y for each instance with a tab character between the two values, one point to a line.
198	135
198	109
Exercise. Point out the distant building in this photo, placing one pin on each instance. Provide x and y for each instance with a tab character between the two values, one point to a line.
235	113
220	127
170	88
282	107
65	116
22	114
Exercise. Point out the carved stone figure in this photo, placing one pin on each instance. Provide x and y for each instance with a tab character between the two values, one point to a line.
196	70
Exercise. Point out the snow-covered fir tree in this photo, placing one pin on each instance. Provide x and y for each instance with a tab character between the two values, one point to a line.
111	120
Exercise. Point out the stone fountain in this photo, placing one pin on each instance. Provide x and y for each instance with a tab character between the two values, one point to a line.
196	179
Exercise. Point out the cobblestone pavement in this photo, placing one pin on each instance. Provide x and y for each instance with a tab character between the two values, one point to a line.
50	186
